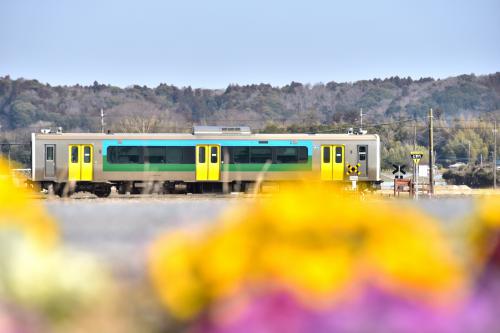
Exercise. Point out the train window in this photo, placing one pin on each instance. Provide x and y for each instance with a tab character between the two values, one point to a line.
286	155
326	154
213	155
260	154
86	154
151	154
338	154
174	155
239	155
302	155
125	155
201	155
188	155
180	155
49	153
74	154
154	155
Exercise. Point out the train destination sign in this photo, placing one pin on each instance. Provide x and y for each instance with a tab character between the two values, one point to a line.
416	156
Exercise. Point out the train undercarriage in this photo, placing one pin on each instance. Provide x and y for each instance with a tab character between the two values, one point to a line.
103	190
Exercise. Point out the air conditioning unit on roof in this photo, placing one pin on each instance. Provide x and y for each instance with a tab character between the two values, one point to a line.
232	130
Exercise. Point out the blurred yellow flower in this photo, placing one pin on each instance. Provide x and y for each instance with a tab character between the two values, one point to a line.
185	292
34	271
489	211
484	233
317	244
19	213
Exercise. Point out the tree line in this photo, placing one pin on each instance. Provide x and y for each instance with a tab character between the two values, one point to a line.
28	105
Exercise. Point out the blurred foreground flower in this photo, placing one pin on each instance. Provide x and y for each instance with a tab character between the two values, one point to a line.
20	214
36	274
486	245
310	260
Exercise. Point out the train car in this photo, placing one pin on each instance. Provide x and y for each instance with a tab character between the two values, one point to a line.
208	159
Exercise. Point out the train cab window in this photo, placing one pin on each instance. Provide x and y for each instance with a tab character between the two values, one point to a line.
338	154
201	154
362	153
239	155
86	154
260	154
74	154
326	154
49	153
286	155
213	155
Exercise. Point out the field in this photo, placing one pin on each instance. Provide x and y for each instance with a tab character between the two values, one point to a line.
119	229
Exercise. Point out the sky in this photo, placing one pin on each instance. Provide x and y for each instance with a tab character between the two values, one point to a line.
210	44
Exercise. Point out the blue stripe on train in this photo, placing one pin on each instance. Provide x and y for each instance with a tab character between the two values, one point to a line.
187	143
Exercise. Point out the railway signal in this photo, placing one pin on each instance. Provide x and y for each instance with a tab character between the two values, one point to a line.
399	171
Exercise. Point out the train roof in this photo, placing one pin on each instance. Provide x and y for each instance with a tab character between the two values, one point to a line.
190	136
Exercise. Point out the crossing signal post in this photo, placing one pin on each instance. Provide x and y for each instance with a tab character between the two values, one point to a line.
399	171
416	157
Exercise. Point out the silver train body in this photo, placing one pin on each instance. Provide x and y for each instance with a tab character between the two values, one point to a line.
94	162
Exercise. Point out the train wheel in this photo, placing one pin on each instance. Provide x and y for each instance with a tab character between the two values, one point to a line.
102	191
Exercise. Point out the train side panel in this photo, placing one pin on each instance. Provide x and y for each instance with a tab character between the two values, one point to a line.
51	151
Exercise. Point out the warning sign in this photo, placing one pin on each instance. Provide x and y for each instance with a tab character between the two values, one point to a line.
353	169
416	156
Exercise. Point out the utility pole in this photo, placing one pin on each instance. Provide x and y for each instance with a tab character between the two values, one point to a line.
361	118
431	154
469	152
415	166
8	157
495	154
415	135
102	121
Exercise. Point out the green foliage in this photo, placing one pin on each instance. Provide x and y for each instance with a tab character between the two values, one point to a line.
399	154
27	105
21	114
463	143
26	102
473	176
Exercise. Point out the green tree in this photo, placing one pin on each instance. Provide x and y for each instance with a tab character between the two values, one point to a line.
21	114
462	145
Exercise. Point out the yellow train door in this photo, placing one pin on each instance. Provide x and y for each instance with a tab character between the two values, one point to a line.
86	167
80	162
326	162
208	162
74	162
332	162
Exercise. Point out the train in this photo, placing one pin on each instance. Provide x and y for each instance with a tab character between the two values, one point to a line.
209	159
